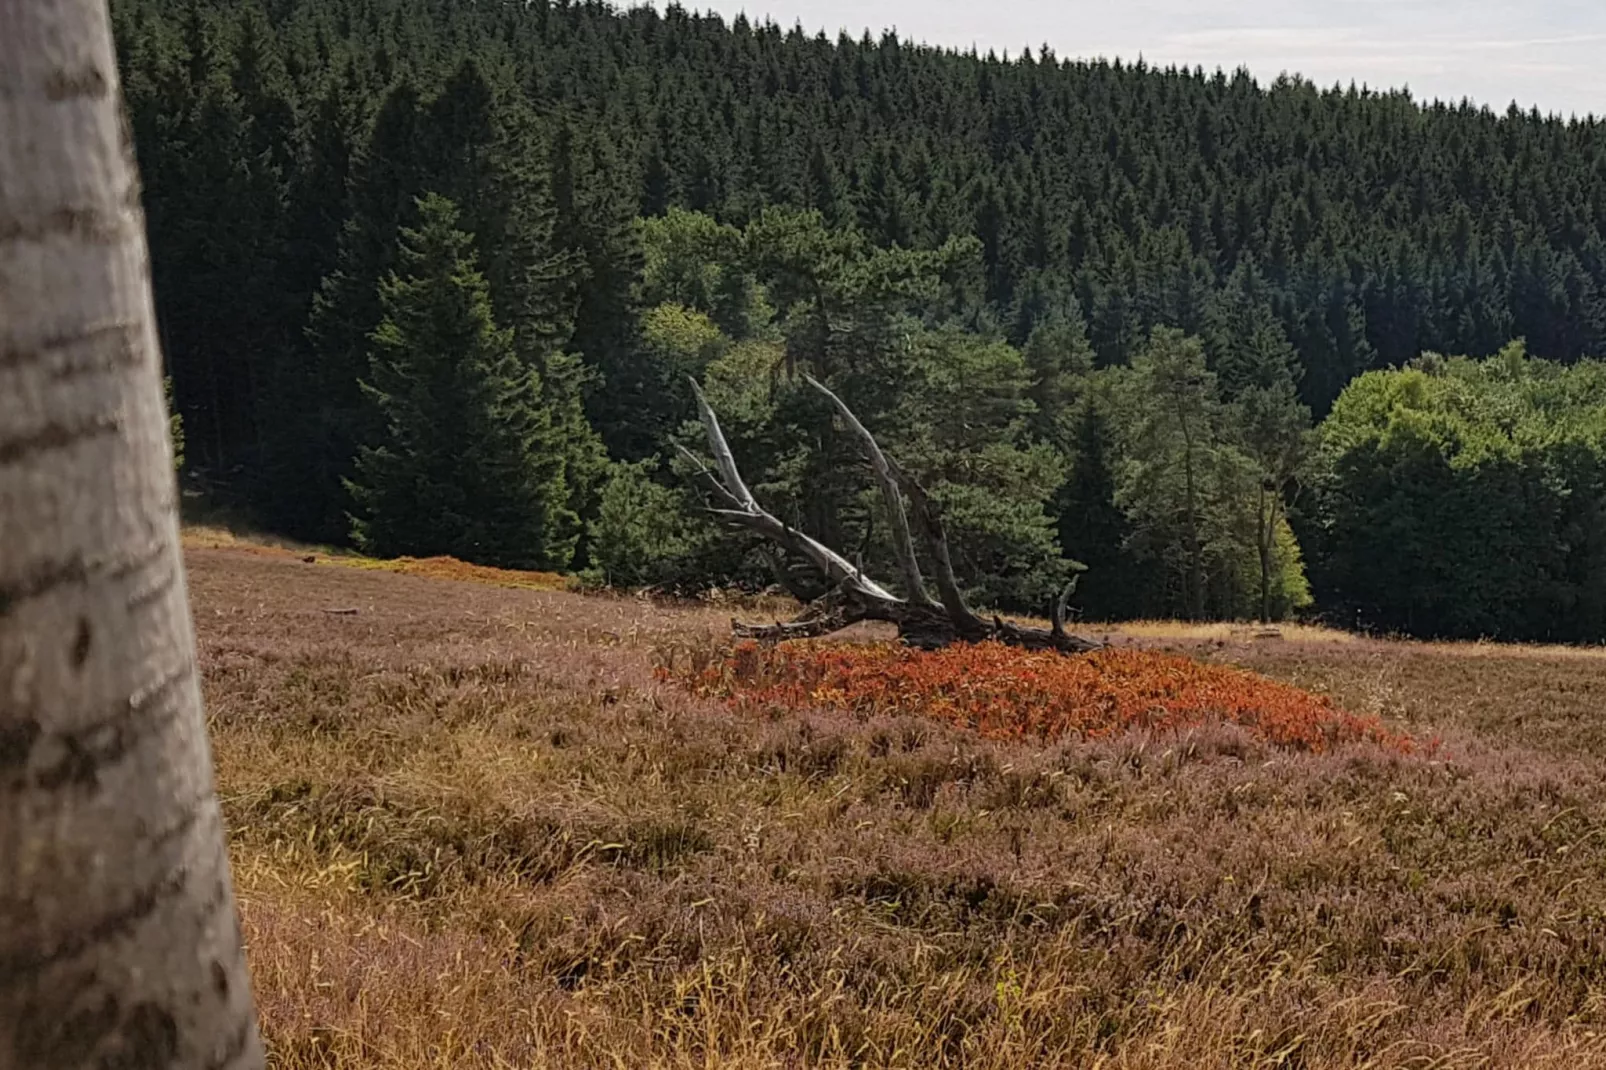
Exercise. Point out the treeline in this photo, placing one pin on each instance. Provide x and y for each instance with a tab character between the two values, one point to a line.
1467	498
432	277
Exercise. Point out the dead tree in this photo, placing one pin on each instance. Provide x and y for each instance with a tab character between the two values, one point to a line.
852	596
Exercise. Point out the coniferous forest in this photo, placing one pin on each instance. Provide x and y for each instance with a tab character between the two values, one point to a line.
434	278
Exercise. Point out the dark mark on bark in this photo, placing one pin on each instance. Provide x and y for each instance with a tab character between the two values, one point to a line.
23	965
135	563
56	436
76	570
88	83
16	745
80	766
150	595
67	1035
42	580
96	1032
220	897
98	349
151	1038
81	644
180	828
94	746
82	224
220	980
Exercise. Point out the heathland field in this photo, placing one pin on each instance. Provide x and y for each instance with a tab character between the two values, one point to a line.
481	826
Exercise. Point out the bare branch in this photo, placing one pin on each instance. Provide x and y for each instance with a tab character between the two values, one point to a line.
723	457
902	541
1061	606
935	537
742	508
780	632
839	609
854	597
708	478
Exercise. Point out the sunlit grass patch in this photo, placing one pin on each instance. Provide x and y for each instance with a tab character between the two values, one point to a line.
202	537
1226	631
450	568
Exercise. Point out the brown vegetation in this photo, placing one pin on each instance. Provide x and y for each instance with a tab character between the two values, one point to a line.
470	829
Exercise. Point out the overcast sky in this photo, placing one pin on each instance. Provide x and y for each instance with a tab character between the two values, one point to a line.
1545	52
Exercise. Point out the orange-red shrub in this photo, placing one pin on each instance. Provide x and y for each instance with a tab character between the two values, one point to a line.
1002	692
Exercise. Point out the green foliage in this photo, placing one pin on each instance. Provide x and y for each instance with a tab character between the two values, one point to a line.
955	408
643	533
594	228
1059	359
976	253
682	339
469	463
963	427
1466	498
699	297
691	259
1259	374
1198	503
1092	525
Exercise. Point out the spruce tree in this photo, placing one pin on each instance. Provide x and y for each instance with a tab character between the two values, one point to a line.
387	176
467	462
1092	527
593	226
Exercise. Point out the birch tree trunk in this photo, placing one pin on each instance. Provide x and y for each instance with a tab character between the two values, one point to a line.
119	941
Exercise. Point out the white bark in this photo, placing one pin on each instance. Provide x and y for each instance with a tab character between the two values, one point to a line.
119	942
853	596
903	542
744	509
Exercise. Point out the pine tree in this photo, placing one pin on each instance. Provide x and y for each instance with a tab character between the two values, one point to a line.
1258	374
468	462
1170	489
1060	360
486	154
294	440
1245	342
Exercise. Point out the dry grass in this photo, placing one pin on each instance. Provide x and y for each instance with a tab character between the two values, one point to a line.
440	568
472	830
1221	630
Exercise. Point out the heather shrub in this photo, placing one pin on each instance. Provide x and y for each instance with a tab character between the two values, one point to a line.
1005	693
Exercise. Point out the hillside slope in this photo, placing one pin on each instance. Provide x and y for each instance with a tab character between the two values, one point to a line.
1378	227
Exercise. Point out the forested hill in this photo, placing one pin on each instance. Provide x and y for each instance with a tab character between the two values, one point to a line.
284	146
1385	228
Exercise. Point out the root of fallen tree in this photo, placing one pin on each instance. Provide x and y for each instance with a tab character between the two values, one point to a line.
922	620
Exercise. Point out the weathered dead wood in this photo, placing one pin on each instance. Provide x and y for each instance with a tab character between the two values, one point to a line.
886	476
922	621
